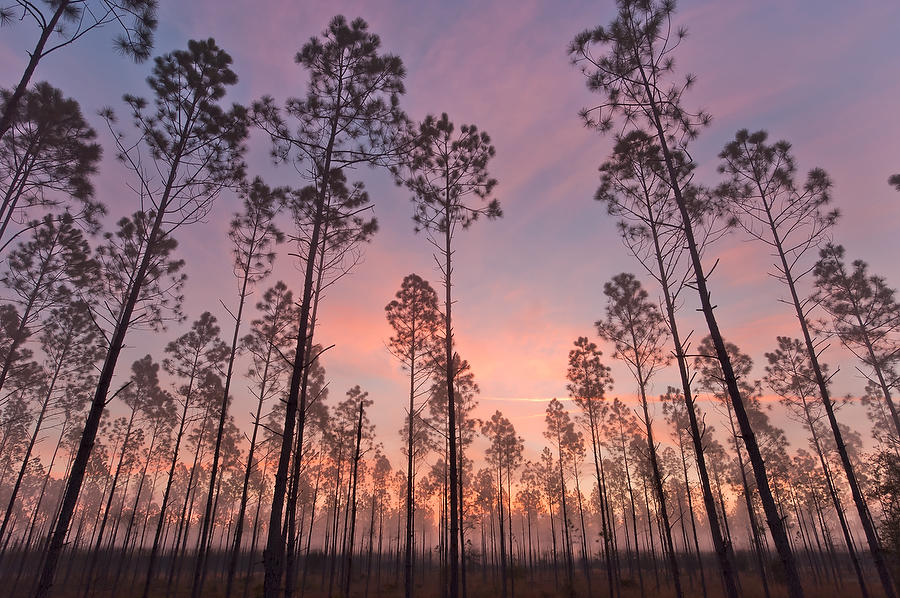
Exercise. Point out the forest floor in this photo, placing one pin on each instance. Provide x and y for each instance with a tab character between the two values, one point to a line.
386	581
540	586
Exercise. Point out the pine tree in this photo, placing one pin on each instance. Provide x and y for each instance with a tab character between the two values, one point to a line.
588	380
711	379
561	432
790	376
60	24
69	344
42	274
269	337
634	78
505	452
636	189
637	330
196	148
194	358
349	116
414	317
865	316
47	159
444	168
142	386
768	204
343	230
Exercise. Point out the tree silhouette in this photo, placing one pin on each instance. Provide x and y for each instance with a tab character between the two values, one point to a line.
47	159
712	380
894	181
143	385
769	206
193	357
465	390
69	343
44	273
62	23
633	78
342	230
676	410
588	380
637	330
269	337
196	149
349	116
414	317
636	189
159	418
790	376
444	168
620	427
865	316
505	452
357	398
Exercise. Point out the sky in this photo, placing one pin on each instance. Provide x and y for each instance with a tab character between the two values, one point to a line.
822	75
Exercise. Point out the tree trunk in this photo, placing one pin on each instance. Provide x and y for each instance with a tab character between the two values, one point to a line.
112	491
453	556
356	457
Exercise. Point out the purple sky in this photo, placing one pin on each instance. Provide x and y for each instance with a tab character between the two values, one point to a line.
822	75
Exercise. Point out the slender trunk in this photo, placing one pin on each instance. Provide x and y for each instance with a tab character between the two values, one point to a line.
356	457
112	491
838	508
601	486
371	540
687	489
553	539
565	521
726	567
410	504
451	403
154	550
804	536
462	527
634	524
754	526
187	509
134	509
291	509
829	542
312	520
585	554
503	573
